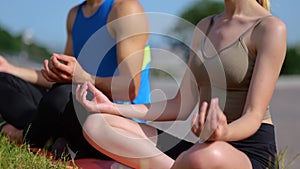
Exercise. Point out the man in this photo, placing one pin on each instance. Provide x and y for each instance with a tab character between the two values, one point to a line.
127	27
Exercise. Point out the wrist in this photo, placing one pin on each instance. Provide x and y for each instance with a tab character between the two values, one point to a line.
226	134
114	109
90	78
11	69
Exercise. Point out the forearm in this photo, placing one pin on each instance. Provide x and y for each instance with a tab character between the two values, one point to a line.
159	111
243	127
117	88
167	110
31	76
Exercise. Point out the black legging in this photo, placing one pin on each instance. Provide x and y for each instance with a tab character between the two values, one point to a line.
18	100
47	123
58	118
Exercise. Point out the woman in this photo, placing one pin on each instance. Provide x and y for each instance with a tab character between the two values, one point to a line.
251	45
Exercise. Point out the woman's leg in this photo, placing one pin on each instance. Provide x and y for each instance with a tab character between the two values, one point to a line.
126	141
214	155
72	120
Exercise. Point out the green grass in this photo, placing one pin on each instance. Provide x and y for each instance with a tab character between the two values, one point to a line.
13	156
281	160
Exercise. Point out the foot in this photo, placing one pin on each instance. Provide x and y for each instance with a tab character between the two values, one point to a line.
14	134
117	165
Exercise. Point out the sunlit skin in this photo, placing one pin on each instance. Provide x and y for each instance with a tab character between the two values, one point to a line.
269	55
64	68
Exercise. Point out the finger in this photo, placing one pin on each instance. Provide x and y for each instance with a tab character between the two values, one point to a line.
93	89
218	111
78	92
45	75
207	130
83	90
202	114
46	62
62	71
195	128
64	58
61	67
50	74
85	102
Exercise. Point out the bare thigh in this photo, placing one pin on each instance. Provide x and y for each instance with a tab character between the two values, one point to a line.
126	141
122	126
213	155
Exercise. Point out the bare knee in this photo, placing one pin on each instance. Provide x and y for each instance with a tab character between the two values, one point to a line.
94	125
100	127
202	156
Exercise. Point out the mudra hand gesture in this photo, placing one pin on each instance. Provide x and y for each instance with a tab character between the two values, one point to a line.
210	124
99	103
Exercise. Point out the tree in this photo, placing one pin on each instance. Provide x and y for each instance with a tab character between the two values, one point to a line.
291	63
193	14
13	45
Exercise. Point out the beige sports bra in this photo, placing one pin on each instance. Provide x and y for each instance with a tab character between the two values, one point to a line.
237	65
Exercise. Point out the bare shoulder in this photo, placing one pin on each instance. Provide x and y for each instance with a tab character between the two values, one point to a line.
72	15
271	26
73	11
270	38
203	23
127	7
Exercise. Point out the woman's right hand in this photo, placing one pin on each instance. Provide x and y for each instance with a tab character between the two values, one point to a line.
99	103
211	123
5	66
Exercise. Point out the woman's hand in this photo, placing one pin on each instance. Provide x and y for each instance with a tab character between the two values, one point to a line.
211	123
64	69
99	103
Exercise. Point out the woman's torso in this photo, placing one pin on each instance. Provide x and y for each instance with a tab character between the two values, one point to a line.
224	66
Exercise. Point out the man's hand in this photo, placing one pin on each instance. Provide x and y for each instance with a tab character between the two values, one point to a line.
62	68
5	66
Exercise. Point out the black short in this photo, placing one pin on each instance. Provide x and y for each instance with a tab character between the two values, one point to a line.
260	148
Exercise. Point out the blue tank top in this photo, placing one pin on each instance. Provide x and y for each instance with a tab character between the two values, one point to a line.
85	27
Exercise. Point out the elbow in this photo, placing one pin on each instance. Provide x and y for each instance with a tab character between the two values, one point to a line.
183	116
133	91
185	111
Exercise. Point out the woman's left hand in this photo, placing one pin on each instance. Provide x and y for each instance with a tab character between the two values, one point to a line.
210	124
99	103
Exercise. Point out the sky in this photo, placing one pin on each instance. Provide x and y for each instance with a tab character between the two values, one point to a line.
45	21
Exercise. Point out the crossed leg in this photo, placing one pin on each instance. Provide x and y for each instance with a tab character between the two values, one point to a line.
126	141
134	145
213	155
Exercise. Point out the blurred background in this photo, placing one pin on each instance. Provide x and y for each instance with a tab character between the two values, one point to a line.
33	29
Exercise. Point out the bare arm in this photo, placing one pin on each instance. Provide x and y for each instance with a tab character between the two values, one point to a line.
128	24
270	42
29	75
178	108
40	77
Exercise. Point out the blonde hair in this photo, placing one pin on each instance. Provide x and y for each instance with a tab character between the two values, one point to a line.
264	3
